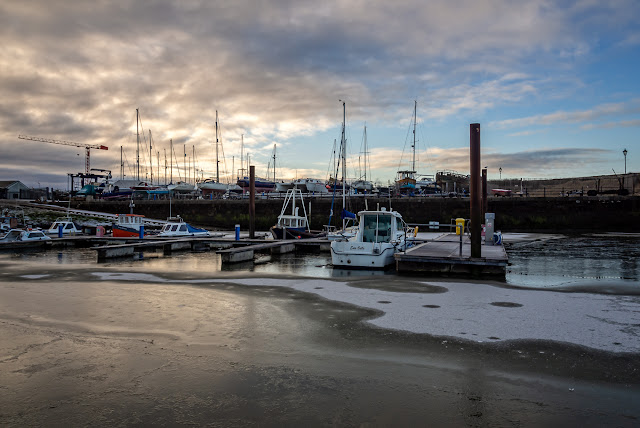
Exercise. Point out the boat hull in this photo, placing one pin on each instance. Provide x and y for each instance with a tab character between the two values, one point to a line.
125	232
362	255
294	233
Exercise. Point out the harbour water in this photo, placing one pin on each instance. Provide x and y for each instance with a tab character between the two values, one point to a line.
600	263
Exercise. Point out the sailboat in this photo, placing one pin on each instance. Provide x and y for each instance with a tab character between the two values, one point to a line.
209	185
261	184
346	232
406	179
409	182
362	185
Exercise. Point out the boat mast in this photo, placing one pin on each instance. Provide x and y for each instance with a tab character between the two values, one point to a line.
165	166
343	146
217	161
413	164
365	153
137	146
171	159
150	157
242	154
121	165
274	162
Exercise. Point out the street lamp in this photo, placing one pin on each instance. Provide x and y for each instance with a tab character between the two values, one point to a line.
624	152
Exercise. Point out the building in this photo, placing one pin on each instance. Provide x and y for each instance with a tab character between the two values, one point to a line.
12	189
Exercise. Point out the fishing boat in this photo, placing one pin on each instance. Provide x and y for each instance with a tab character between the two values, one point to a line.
68	227
176	226
380	235
293	225
128	226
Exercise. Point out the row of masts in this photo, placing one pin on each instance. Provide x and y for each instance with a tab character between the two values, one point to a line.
168	165
242	171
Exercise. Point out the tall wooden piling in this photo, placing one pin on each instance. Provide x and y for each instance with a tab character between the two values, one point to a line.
474	189
252	202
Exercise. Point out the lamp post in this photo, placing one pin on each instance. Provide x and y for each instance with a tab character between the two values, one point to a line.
624	152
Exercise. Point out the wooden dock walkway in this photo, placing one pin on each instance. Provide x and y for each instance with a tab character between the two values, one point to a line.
442	256
231	251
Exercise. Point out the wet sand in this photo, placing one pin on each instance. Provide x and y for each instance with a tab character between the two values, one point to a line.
242	349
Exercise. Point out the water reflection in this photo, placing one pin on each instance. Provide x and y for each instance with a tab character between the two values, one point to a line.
578	262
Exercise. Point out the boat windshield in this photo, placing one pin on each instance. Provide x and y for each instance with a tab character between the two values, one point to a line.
376	228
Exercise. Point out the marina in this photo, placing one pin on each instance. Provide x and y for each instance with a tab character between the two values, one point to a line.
280	214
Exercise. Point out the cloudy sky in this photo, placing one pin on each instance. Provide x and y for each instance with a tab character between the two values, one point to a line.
554	85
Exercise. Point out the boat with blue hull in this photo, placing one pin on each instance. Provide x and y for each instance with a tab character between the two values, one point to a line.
176	227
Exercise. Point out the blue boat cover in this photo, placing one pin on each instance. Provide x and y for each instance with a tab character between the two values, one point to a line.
192	229
347	214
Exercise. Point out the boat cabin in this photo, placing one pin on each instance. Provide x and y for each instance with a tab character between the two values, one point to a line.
380	226
130	219
68	227
174	227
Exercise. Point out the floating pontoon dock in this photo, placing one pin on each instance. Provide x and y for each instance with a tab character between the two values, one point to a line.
444	256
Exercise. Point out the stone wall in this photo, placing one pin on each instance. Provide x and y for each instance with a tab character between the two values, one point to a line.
560	214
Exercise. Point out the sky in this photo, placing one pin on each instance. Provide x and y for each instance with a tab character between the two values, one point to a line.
553	84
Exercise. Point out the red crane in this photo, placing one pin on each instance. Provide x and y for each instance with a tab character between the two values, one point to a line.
87	147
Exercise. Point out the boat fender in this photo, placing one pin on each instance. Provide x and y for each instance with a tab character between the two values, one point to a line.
415	231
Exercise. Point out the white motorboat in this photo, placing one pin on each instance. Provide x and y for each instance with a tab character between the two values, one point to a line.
282	186
176	226
20	235
380	235
316	186
311	185
68	227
